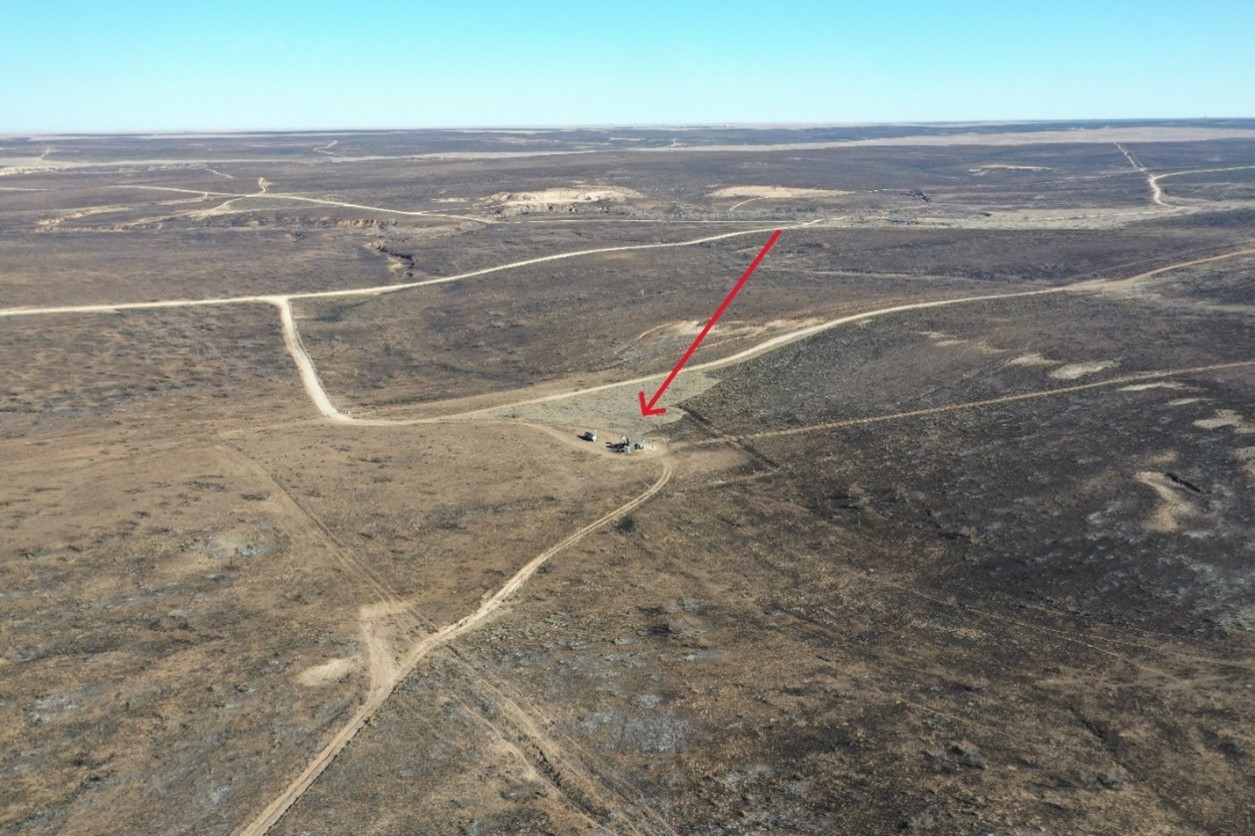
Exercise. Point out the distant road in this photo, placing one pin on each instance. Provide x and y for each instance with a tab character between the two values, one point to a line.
373	290
1156	193
264	192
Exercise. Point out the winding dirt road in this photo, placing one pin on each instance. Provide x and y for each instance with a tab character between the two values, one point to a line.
309	375
1156	193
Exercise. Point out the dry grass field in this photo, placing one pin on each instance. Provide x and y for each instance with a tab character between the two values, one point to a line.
948	527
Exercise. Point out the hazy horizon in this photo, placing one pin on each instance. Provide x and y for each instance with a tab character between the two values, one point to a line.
677	126
133	67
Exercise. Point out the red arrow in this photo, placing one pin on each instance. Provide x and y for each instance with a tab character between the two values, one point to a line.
647	407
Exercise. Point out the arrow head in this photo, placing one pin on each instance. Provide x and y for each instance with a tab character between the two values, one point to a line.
648	409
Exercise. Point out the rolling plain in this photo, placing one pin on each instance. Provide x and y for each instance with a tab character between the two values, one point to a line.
949	526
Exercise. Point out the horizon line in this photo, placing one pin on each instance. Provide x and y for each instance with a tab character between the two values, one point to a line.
605	126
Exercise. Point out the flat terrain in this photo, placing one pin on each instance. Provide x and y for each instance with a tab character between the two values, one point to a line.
949	526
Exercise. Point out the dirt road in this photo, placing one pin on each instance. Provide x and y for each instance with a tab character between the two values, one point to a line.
762	348
956	407
305	366
373	290
1156	193
1120	284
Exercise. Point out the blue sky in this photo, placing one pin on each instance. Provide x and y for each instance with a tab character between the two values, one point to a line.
227	65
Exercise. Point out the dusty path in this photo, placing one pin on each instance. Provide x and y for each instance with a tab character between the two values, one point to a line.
1120	284
743	202
264	192
78	213
392	288
1154	180
1128	156
1156	193
305	366
383	689
434	213
956	407
770	345
138	306
318	394
374	290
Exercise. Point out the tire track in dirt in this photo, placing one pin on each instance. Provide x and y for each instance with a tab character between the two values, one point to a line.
264	192
956	407
389	680
742	203
565	769
1063	635
294	509
592	794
